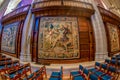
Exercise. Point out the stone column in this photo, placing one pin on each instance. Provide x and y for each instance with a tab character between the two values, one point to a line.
100	34
26	37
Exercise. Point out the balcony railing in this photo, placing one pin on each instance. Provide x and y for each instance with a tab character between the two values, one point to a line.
16	11
108	13
51	3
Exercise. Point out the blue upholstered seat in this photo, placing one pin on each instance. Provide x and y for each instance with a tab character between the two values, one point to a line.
112	69
2	66
53	78
12	75
97	65
106	77
113	61
85	71
55	74
104	66
99	73
79	78
109	77
73	73
81	67
93	69
93	77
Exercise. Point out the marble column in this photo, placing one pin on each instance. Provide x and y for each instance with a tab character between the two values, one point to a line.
26	37
99	33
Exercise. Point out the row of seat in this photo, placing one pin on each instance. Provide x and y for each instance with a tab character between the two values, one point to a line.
24	72
114	61
101	71
13	70
37	75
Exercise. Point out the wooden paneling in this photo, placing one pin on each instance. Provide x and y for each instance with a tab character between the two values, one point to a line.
86	39
85	54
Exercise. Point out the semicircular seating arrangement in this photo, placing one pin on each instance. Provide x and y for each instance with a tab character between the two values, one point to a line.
13	70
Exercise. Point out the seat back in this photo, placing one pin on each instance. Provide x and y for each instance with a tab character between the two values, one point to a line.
113	62
81	68
111	69
86	72
61	71
107	61
104	67
97	65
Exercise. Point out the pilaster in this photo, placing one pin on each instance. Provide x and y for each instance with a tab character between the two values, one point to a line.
26	37
100	34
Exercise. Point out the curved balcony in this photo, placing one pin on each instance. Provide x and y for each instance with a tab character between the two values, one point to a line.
108	13
61	3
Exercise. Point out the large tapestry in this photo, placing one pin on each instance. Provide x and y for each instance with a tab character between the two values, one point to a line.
58	38
114	38
9	37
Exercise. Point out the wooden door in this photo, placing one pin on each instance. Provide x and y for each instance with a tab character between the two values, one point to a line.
86	38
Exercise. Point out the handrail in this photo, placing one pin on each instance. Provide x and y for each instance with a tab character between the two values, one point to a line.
16	11
49	3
